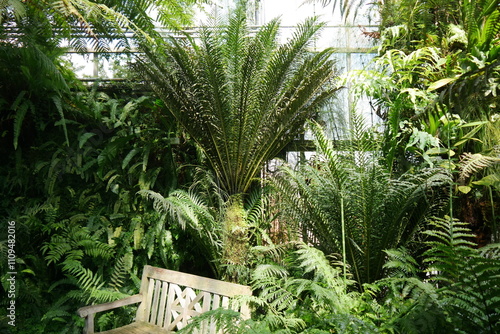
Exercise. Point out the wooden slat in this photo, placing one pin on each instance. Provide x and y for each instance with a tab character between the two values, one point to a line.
163	301
245	311
216	302
215	305
201	283
156	298
207	300
168	311
141	311
149	300
225	302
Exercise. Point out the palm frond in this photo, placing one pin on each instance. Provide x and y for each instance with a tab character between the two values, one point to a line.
241	97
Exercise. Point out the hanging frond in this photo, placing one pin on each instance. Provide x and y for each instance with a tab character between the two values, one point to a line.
192	214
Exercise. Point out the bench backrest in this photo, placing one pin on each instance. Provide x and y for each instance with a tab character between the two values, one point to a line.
171	298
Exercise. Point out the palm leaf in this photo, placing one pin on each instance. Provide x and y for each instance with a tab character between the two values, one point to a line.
241	97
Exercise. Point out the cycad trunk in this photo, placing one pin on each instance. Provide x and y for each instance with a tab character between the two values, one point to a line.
235	242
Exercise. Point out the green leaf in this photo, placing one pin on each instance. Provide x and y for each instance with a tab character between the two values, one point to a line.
29	271
439	151
18	119
464	189
58	103
129	157
440	83
488	180
83	138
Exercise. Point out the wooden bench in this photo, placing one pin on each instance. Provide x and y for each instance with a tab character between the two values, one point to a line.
168	299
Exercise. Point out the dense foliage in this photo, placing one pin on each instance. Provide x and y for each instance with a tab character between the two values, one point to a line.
346	202
392	230
242	98
304	293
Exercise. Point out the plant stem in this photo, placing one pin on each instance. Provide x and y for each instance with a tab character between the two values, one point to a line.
343	234
494	230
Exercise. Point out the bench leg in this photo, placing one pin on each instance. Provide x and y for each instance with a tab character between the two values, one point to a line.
89	324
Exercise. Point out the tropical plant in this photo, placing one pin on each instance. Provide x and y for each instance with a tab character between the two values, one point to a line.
459	291
438	95
419	24
34	36
79	202
102	23
424	79
201	210
299	291
453	288
242	97
468	277
346	202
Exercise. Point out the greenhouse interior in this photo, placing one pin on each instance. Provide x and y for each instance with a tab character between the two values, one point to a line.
250	166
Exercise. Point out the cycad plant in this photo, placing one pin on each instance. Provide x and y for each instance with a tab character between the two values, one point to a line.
346	202
242	97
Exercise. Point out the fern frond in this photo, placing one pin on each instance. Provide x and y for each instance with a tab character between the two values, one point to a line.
348	198
225	320
118	275
473	163
469	281
21	111
312	260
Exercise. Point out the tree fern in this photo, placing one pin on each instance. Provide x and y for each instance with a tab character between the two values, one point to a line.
201	211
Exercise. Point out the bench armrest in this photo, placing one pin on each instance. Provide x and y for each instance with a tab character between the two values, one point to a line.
88	312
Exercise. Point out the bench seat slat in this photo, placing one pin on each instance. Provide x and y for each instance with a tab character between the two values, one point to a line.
137	328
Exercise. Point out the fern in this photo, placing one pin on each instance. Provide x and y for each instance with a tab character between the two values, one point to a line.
21	109
471	164
469	281
347	203
227	321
